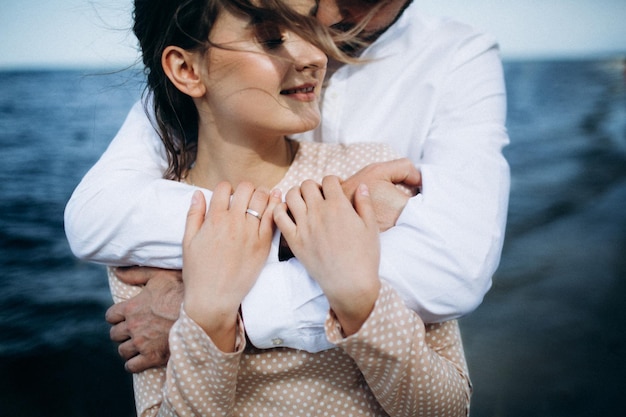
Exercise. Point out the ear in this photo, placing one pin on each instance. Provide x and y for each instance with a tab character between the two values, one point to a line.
183	69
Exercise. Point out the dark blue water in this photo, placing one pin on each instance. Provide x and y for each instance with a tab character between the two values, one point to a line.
55	359
549	340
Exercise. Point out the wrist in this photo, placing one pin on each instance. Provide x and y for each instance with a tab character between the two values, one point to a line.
166	283
219	325
354	309
210	309
169	292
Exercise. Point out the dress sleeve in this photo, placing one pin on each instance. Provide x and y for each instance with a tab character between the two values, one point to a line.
412	369
201	379
447	243
172	391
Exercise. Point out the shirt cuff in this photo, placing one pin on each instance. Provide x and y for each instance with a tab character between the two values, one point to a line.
286	308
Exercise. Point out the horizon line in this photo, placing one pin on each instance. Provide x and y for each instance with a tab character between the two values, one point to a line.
122	66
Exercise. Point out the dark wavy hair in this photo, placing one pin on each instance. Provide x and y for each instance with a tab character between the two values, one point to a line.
187	24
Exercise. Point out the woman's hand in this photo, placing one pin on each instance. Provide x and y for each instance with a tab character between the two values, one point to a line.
337	243
224	251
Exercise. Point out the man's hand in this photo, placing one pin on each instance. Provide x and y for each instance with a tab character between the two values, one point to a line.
141	325
390	184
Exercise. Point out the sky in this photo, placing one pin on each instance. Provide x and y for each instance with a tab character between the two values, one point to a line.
92	33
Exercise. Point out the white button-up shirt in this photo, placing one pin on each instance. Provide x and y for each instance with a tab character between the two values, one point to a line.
433	89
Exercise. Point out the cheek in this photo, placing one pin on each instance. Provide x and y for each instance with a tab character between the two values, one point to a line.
248	72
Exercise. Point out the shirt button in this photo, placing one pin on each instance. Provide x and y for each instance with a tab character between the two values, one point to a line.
277	341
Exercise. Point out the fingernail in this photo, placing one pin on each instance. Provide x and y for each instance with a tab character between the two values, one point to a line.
276	193
364	190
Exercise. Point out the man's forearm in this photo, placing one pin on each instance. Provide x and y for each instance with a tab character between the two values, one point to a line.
123	212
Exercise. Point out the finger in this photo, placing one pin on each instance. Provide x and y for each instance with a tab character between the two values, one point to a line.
267	220
220	200
140	363
283	221
119	333
311	192
295	204
331	187
127	350
195	216
402	171
241	198
364	206
414	177
133	275
115	313
136	364
258	204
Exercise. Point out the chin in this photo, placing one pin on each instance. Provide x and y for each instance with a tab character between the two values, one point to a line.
311	120
305	127
303	123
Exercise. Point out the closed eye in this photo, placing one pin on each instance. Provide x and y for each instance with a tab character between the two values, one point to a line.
273	43
269	35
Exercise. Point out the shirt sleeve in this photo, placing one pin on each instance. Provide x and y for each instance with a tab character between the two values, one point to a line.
123	212
447	243
411	368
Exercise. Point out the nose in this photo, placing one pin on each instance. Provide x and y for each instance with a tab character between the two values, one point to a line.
305	55
328	12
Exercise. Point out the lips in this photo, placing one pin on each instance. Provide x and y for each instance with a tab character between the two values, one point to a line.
306	89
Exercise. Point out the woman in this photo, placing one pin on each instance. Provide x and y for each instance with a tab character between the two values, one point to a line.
230	80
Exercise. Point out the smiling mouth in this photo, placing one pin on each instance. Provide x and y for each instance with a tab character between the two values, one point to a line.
302	90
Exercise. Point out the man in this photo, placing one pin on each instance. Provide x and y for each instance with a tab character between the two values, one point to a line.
431	88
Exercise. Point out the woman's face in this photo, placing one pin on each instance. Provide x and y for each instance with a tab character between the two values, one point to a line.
265	84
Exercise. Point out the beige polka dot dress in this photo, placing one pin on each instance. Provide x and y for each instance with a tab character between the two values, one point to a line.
395	365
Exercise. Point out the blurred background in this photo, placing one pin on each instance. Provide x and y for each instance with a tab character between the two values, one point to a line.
548	339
